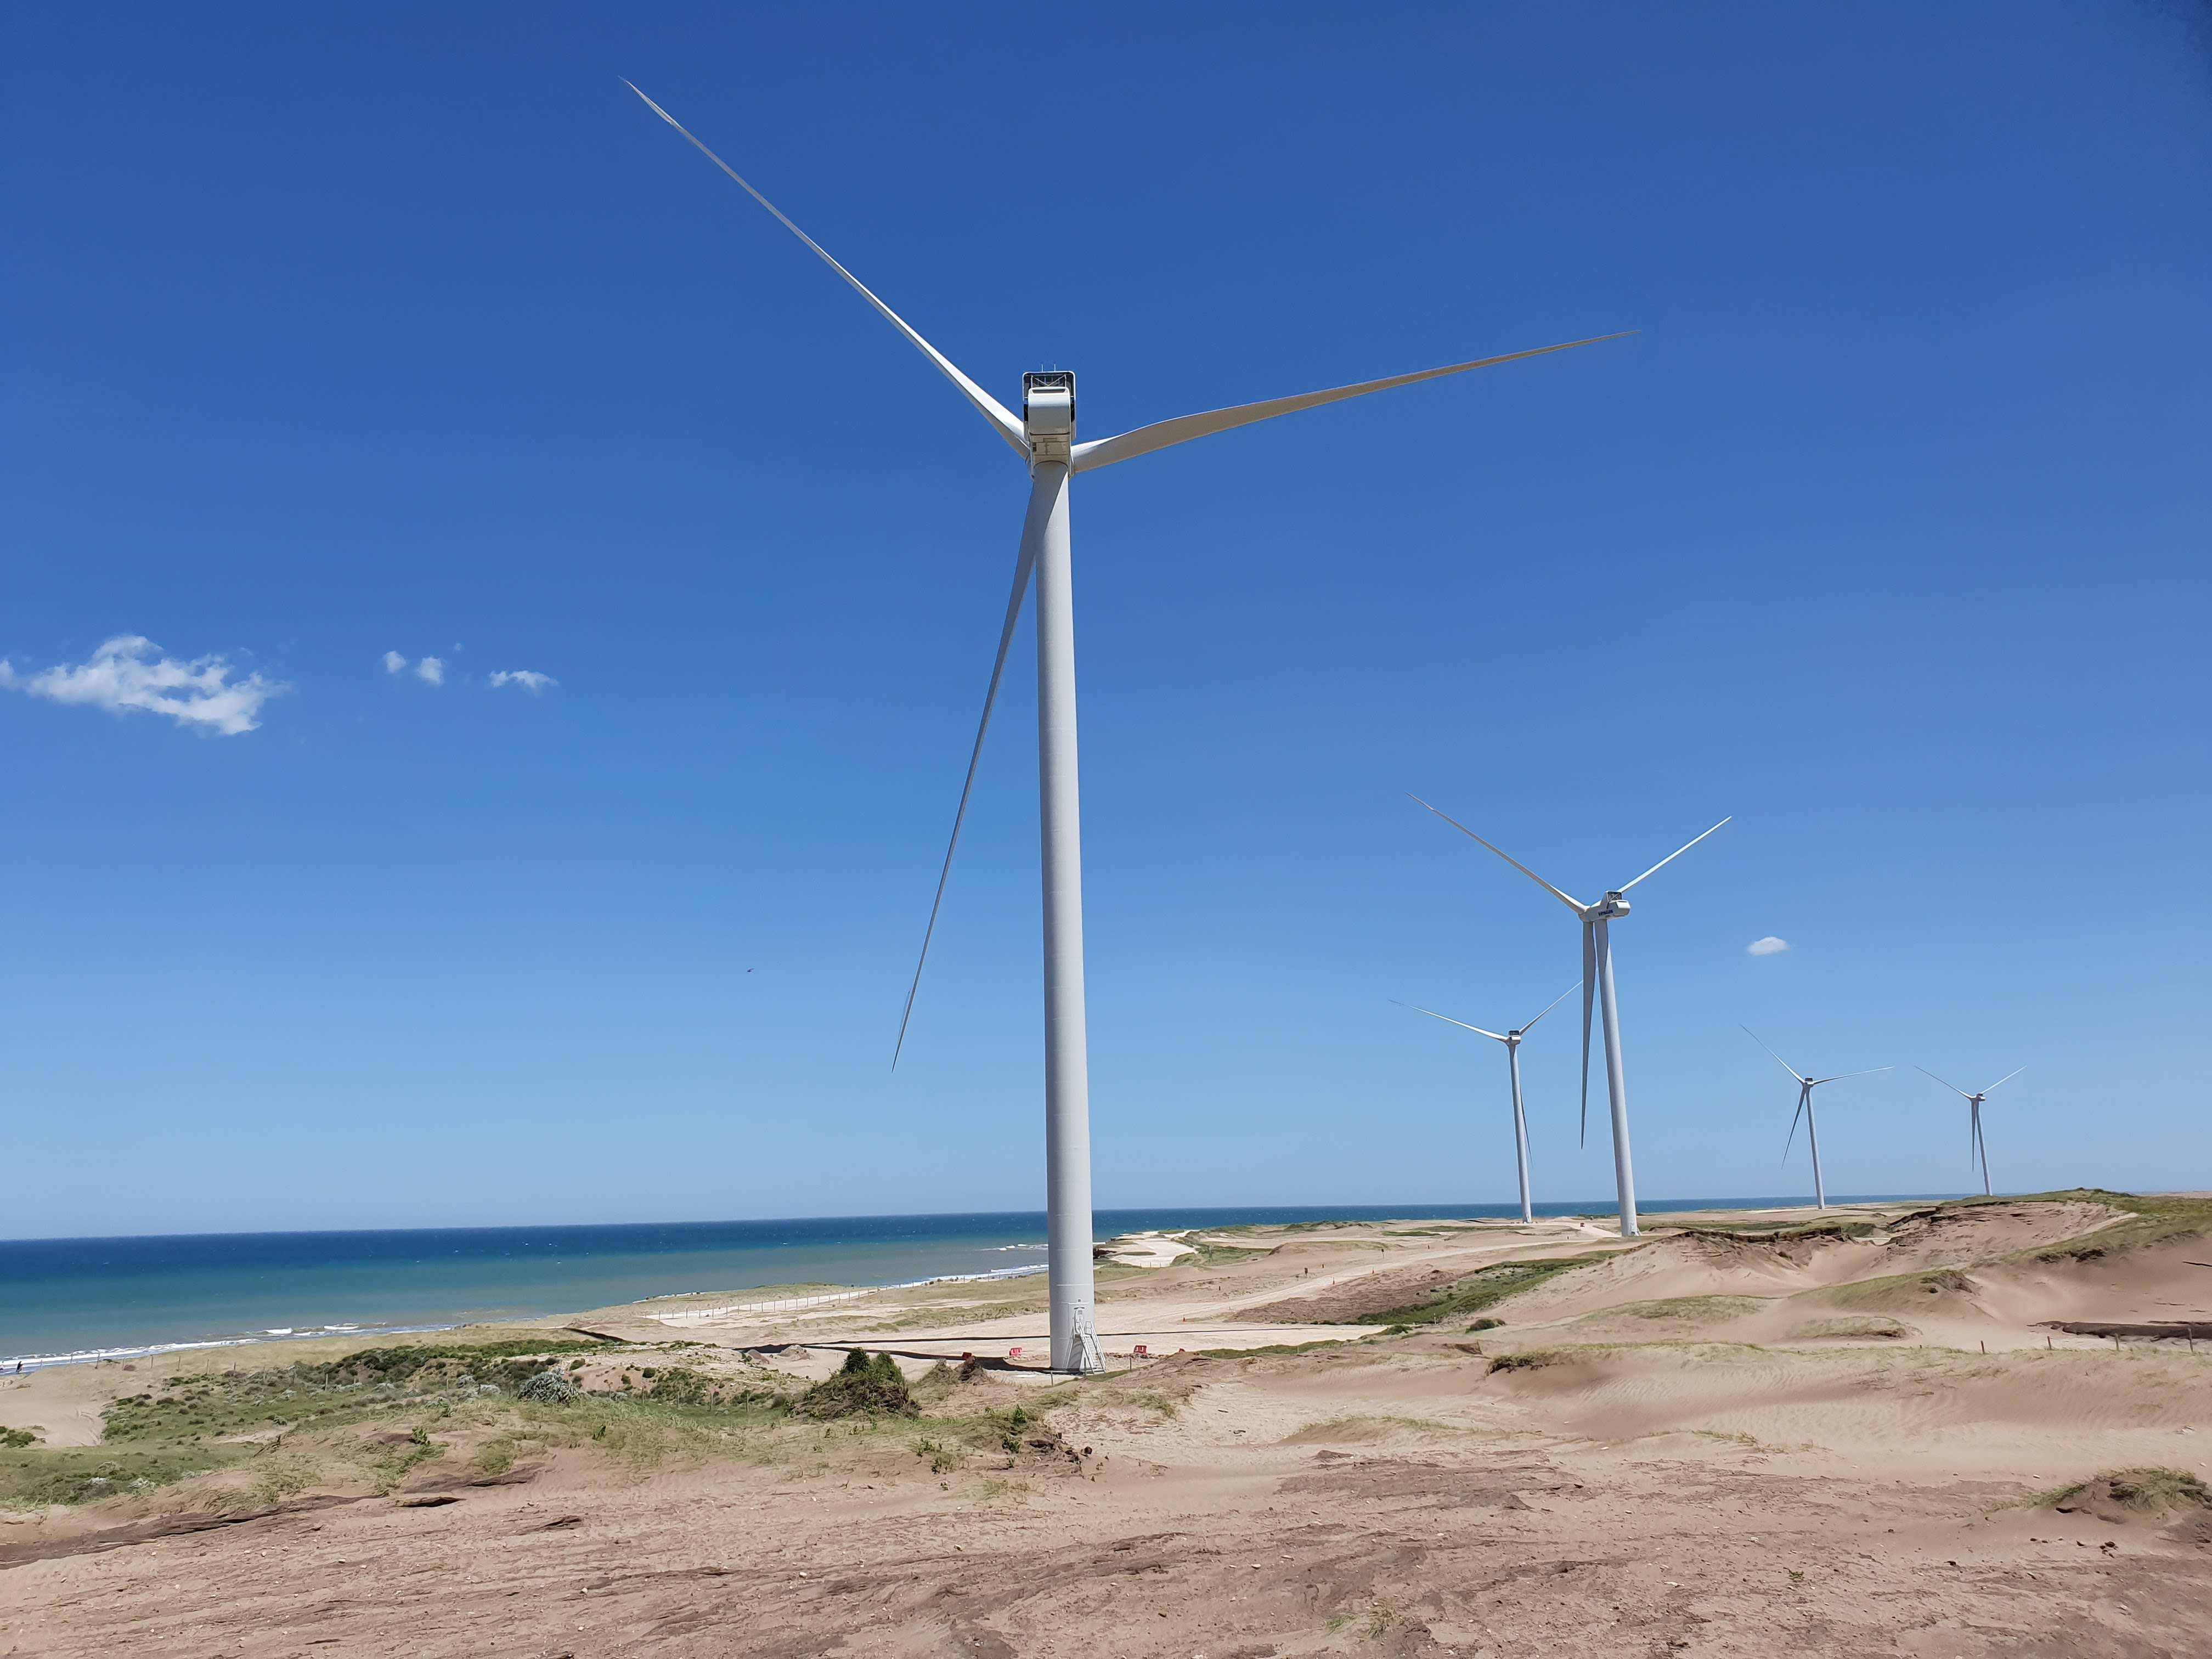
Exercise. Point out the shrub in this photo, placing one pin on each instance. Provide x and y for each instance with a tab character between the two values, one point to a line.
549	1387
870	1385
1530	1359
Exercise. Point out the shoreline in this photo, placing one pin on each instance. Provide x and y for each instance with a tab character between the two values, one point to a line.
549	1301
25	1364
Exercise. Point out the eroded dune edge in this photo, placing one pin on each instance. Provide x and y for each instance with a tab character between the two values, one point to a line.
1974	1427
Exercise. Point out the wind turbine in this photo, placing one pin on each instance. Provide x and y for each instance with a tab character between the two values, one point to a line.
1975	1146
1043	436
1512	1041
1597	975
1805	1087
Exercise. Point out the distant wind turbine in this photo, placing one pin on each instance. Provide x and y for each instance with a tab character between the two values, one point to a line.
1975	1146
1512	1041
1597	974
1043	437
1805	1087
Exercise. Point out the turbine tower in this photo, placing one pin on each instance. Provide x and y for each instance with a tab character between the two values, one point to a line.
1805	1087
1043	437
1975	1146
1597	975
1512	1041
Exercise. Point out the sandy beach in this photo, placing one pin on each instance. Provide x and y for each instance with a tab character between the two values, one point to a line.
1887	1429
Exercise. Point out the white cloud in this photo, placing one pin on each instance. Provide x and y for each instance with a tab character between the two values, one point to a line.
393	662
129	672
1769	946
431	669
528	678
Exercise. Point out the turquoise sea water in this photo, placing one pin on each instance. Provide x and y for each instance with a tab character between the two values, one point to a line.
69	1299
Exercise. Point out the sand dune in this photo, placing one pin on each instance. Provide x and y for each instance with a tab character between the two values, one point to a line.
1758	1433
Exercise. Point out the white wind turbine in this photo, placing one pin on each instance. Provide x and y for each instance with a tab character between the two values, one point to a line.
1043	436
1975	1146
1512	1041
1805	1087
1598	976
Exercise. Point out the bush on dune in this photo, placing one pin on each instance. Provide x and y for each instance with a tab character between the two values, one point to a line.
1528	1359
549	1387
870	1385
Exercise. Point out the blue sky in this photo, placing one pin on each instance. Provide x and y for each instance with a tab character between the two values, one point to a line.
407	330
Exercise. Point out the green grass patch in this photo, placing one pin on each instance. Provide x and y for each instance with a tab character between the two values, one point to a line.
1251	1229
1900	1290
2144	1221
224	1405
2149	1491
1272	1348
1363	1426
1689	1308
918	1319
1208	1255
1460	1297
1859	1328
1768	1232
92	1475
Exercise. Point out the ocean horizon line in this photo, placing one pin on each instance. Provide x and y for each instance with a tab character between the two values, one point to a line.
1491	1210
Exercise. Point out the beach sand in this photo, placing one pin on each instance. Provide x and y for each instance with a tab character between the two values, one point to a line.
1743	1434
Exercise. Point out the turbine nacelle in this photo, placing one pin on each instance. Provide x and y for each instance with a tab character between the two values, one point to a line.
1048	415
1608	908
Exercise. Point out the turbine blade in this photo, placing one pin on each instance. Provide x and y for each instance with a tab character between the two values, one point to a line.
1040	498
1548	1006
1778	1060
1449	1020
1590	984
992	410
1672	856
1841	1076
1105	452
1575	905
1804	1096
1953	1087
2006	1078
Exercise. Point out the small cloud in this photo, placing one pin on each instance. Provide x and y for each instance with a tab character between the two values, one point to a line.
129	673
431	669
393	662
528	678
1769	946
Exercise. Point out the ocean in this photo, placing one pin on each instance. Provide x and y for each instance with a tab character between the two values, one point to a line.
67	1300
